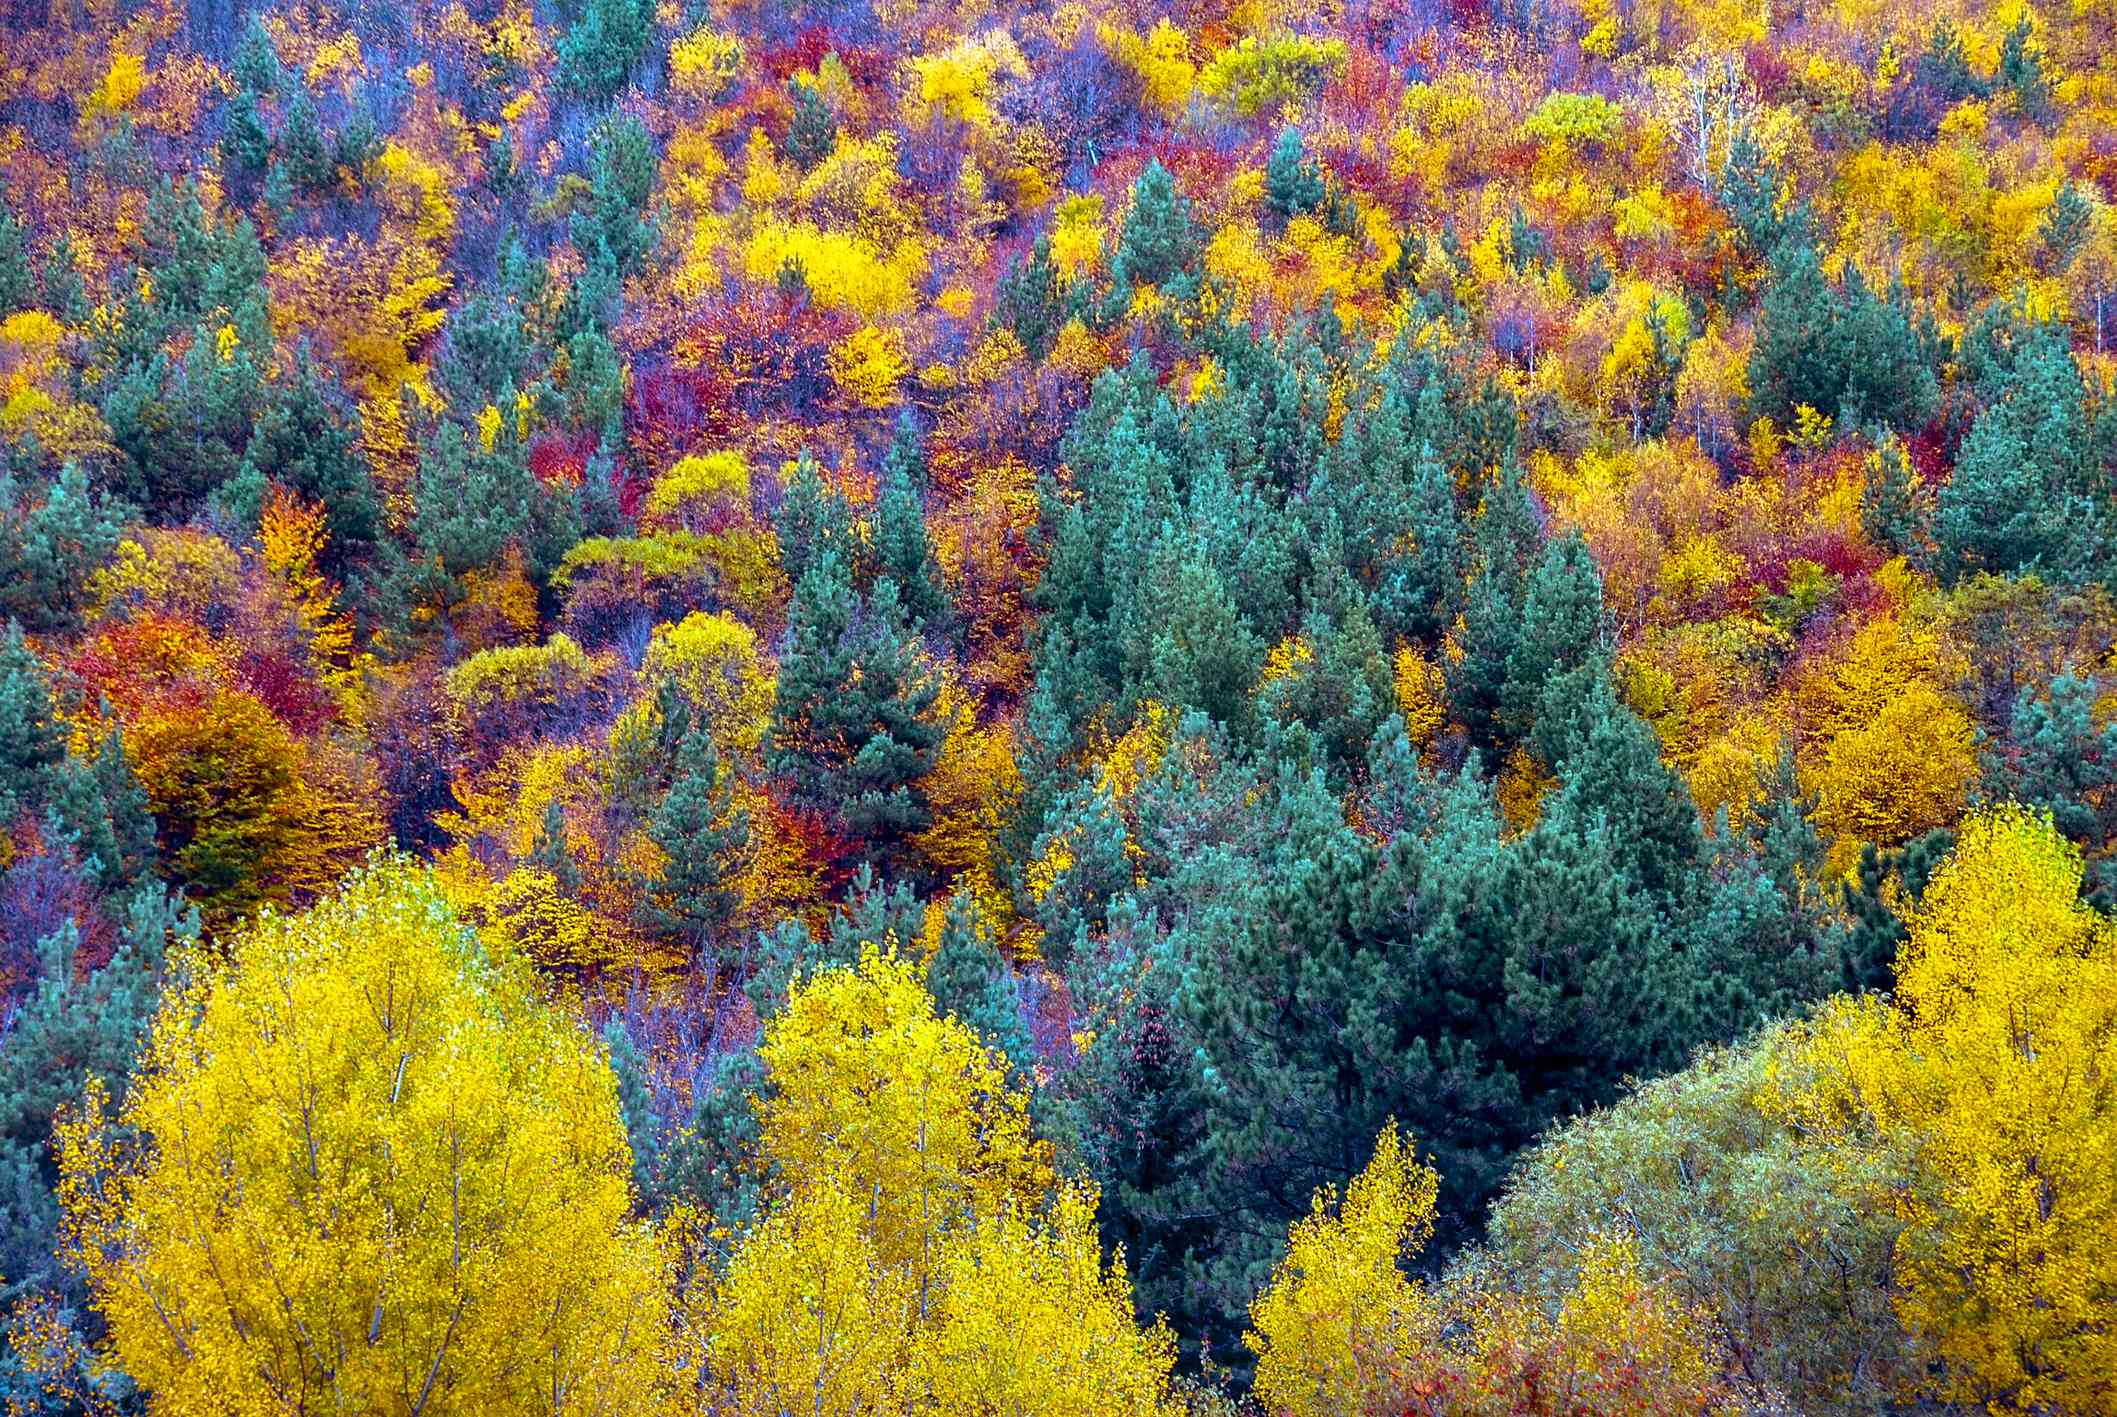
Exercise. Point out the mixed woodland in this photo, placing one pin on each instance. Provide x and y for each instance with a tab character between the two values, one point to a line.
1020	707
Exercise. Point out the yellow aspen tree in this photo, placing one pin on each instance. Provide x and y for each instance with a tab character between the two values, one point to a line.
1986	1077
1340	1331
807	1318
1033	1323
917	1253
365	1168
909	1111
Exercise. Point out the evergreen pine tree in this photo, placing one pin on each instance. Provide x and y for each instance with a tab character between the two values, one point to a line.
812	519
70	1027
901	551
2066	226
711	1163
1872	903
245	145
550	852
595	386
1895	509
98	802
1292	185
704	837
301	148
1505	538
2021	72
813	129
2018	498
1849	354
1562	629
305	444
1420	590
1160	239
32	739
472	503
635	1104
48	551
850	733
972	982
2056	759
1027	300
64	295
618	228
597	53
18	283
256	66
484	353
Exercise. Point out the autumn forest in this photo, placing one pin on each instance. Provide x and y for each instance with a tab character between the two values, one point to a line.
1225	708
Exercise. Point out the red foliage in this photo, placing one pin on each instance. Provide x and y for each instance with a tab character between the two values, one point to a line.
559	459
1768	70
669	410
288	689
867	66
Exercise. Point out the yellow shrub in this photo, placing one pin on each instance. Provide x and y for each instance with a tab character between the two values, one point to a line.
868	365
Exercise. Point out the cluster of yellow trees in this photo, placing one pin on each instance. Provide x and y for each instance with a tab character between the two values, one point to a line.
366	1166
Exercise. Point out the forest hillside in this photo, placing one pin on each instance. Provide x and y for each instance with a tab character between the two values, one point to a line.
1036	707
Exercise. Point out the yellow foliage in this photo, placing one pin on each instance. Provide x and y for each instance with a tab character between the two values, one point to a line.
1286	657
698	486
806	1319
915	1254
1520	790
1077	233
970	792
704	62
1338	1324
905	1108
765	178
376	1164
1611	1313
522	674
1729	771
531	912
1258	75
416	191
179	573
717	664
1908	770
960	82
842	271
291	537
1980	1075
868	365
1127	762
1162	60
1422	696
121	86
1031	1322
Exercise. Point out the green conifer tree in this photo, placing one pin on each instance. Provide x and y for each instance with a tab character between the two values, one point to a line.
704	837
18	283
813	130
971	981
900	548
850	733
1292	185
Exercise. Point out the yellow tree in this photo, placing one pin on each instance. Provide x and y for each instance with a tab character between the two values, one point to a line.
1987	1075
908	1110
365	1168
1031	1320
912	1256
806	1319
1339	1330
